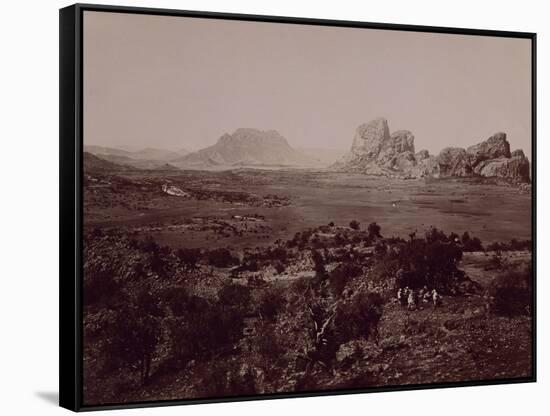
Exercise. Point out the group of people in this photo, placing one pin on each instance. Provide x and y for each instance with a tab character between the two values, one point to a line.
412	299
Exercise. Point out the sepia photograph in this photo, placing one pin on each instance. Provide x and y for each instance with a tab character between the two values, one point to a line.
281	208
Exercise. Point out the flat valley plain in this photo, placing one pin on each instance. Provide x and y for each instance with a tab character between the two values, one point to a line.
491	212
277	314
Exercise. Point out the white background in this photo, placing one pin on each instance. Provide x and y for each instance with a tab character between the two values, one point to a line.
29	205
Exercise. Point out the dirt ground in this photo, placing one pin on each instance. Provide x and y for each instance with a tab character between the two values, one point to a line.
490	212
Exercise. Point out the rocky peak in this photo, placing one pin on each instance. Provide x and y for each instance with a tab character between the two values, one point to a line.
494	147
369	137
422	154
243	136
518	153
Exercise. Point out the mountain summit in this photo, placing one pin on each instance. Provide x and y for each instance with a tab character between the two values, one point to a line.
246	147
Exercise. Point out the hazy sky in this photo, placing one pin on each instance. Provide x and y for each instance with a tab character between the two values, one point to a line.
174	82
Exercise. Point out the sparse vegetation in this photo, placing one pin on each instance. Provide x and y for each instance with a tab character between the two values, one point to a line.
248	301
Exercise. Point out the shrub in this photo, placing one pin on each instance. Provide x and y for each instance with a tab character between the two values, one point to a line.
512	245
206	327
374	231
431	262
511	293
341	275
234	296
354	224
472	244
189	256
271	303
132	339
434	234
100	286
319	264
360	317
279	267
221	257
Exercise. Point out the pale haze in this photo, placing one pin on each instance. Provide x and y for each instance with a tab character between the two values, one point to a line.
175	82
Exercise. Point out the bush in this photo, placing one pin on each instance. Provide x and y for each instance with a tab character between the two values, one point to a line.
189	256
271	302
319	264
354	224
206	327
511	293
279	267
430	262
341	275
100	286
360	317
374	231
221	257
472	244
132	339
434	234
512	245
234	296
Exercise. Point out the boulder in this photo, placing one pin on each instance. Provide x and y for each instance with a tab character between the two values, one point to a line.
421	155
494	147
515	169
403	161
399	142
518	153
454	161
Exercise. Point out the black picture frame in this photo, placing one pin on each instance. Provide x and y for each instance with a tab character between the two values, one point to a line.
71	198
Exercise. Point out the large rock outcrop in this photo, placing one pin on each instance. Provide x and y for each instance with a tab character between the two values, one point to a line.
375	151
245	147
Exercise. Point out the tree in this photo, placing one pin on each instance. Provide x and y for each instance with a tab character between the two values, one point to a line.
434	234
270	303
360	317
319	264
221	257
189	256
374	231
354	224
341	275
511	293
132	339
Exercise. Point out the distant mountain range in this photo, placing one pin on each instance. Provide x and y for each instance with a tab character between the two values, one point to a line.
95	164
374	151
148	158
246	147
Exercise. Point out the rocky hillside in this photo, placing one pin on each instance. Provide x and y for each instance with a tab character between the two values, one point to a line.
246	147
375	151
94	164
148	158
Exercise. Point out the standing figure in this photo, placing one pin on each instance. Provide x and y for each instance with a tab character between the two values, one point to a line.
436	298
411	302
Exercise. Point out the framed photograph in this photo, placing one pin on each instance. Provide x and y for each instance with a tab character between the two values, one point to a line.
255	207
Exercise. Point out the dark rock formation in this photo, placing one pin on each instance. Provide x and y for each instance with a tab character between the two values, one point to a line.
375	151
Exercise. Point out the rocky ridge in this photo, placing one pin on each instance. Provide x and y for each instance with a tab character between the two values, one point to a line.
375	151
